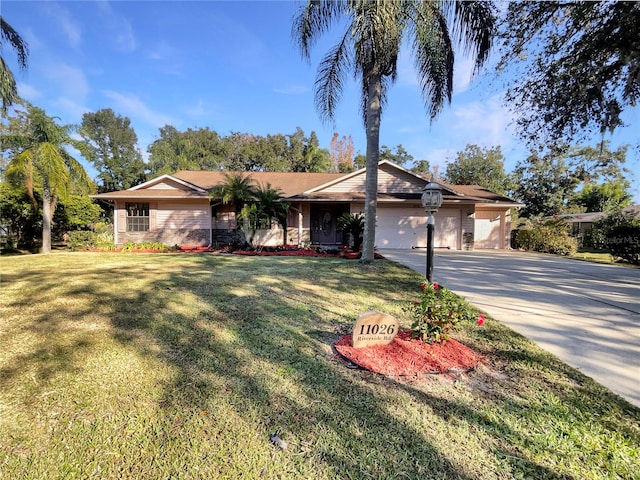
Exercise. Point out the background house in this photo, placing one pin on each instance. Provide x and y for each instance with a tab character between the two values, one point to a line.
582	223
176	209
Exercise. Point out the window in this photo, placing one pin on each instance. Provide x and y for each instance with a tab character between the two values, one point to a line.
137	217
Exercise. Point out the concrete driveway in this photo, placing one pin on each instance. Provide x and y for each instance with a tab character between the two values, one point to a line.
584	313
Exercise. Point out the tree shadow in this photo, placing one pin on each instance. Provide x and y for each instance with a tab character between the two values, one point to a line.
262	356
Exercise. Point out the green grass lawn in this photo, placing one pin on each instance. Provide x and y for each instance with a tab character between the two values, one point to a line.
181	366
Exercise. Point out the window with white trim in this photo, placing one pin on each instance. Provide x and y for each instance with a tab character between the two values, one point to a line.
137	217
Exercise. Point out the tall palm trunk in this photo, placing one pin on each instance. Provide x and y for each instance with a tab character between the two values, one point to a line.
373	112
47	216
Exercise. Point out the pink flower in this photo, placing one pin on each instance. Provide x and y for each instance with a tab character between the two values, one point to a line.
416	303
423	286
435	285
481	319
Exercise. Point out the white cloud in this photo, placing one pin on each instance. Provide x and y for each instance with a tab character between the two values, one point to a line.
484	123
167	58
118	29
71	30
462	74
133	107
70	81
29	92
70	111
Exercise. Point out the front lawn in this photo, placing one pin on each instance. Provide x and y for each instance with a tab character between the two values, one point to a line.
182	365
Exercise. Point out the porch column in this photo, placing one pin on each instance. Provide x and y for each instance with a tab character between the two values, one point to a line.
299	225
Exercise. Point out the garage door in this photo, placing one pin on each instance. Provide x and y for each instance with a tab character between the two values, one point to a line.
487	233
447	229
407	227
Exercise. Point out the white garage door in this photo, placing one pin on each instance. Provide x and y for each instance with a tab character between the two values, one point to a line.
447	229
487	233
407	227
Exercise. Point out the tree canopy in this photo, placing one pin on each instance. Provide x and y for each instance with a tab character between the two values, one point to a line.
576	66
110	143
36	146
571	180
205	149
479	166
400	156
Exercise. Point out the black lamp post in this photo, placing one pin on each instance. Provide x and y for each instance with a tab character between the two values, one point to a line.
431	201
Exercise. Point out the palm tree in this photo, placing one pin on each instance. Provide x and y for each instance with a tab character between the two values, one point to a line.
369	47
352	223
237	190
271	204
8	88
39	159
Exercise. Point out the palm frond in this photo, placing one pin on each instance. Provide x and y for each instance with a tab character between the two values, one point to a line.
313	20
433	56
19	45
52	166
330	78
474	27
8	87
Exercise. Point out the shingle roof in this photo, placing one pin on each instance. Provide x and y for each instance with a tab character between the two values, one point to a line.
477	192
291	183
151	193
297	186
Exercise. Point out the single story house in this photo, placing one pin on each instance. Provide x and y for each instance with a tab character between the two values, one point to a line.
176	209
582	223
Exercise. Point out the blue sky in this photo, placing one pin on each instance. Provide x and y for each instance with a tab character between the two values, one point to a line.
233	67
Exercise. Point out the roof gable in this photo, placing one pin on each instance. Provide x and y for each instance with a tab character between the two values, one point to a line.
392	179
290	183
168	182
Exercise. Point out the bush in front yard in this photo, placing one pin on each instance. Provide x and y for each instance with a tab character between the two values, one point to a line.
82	240
100	237
623	242
547	236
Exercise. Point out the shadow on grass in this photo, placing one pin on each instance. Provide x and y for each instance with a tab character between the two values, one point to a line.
250	353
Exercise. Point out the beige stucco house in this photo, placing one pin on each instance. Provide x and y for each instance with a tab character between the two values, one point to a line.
176	209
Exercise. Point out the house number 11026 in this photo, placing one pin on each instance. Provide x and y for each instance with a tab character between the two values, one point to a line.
374	328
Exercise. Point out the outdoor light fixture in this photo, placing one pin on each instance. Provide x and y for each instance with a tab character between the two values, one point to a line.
431	201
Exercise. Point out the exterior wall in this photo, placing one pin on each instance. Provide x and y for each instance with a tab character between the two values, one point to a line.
467	227
168	185
357	207
168	236
269	238
492	228
179	222
185	215
389	180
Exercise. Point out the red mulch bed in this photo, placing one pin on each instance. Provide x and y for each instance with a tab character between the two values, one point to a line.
287	251
410	357
194	248
300	252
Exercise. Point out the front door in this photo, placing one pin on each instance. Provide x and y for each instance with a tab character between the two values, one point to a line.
324	219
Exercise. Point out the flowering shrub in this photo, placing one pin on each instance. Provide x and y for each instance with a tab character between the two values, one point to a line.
437	313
